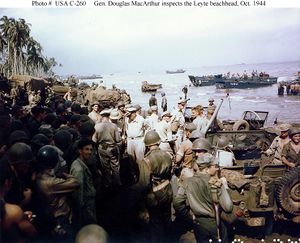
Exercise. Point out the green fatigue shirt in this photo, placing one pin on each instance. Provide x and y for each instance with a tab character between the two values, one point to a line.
56	190
290	154
160	164
197	191
85	196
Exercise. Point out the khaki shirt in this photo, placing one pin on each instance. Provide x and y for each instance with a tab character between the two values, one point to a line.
276	149
178	116
107	132
185	153
96	117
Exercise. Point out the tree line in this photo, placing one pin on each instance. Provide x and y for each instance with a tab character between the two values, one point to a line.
20	53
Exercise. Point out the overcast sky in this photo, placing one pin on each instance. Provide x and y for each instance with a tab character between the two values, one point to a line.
108	40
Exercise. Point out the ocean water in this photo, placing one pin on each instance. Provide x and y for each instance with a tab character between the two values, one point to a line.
283	108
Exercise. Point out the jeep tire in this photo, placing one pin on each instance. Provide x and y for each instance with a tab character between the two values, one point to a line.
288	191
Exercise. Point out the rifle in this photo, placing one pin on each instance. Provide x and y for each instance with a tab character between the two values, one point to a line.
215	198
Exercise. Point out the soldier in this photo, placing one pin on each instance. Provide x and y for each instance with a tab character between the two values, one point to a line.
115	117
35	121
291	151
68	95
121	108
185	91
84	198
159	165
152	100
134	128
164	131
278	143
52	193
91	233
211	105
108	138
178	120
15	226
75	122
20	159
199	119
13	93
152	120
32	98
184	155
76	108
203	192
138	109
38	97
94	114
164	102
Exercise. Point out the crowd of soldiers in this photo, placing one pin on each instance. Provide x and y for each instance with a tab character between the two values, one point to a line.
290	88
66	171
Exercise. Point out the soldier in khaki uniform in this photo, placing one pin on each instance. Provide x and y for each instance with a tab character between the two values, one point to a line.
278	143
152	120
199	118
163	128
108	137
184	156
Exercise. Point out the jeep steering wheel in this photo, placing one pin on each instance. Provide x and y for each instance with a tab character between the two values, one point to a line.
252	121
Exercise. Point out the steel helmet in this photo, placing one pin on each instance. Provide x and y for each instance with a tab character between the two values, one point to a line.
201	144
47	157
293	131
151	138
40	140
190	127
20	153
62	139
18	136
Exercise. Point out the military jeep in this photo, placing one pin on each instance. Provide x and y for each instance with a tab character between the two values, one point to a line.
261	192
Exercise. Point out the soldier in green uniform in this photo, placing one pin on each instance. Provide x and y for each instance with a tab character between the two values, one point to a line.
202	192
159	197
84	198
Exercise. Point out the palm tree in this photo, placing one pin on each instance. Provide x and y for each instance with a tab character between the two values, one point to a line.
19	52
4	27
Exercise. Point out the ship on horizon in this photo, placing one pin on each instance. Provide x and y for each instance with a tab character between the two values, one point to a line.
94	76
175	71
